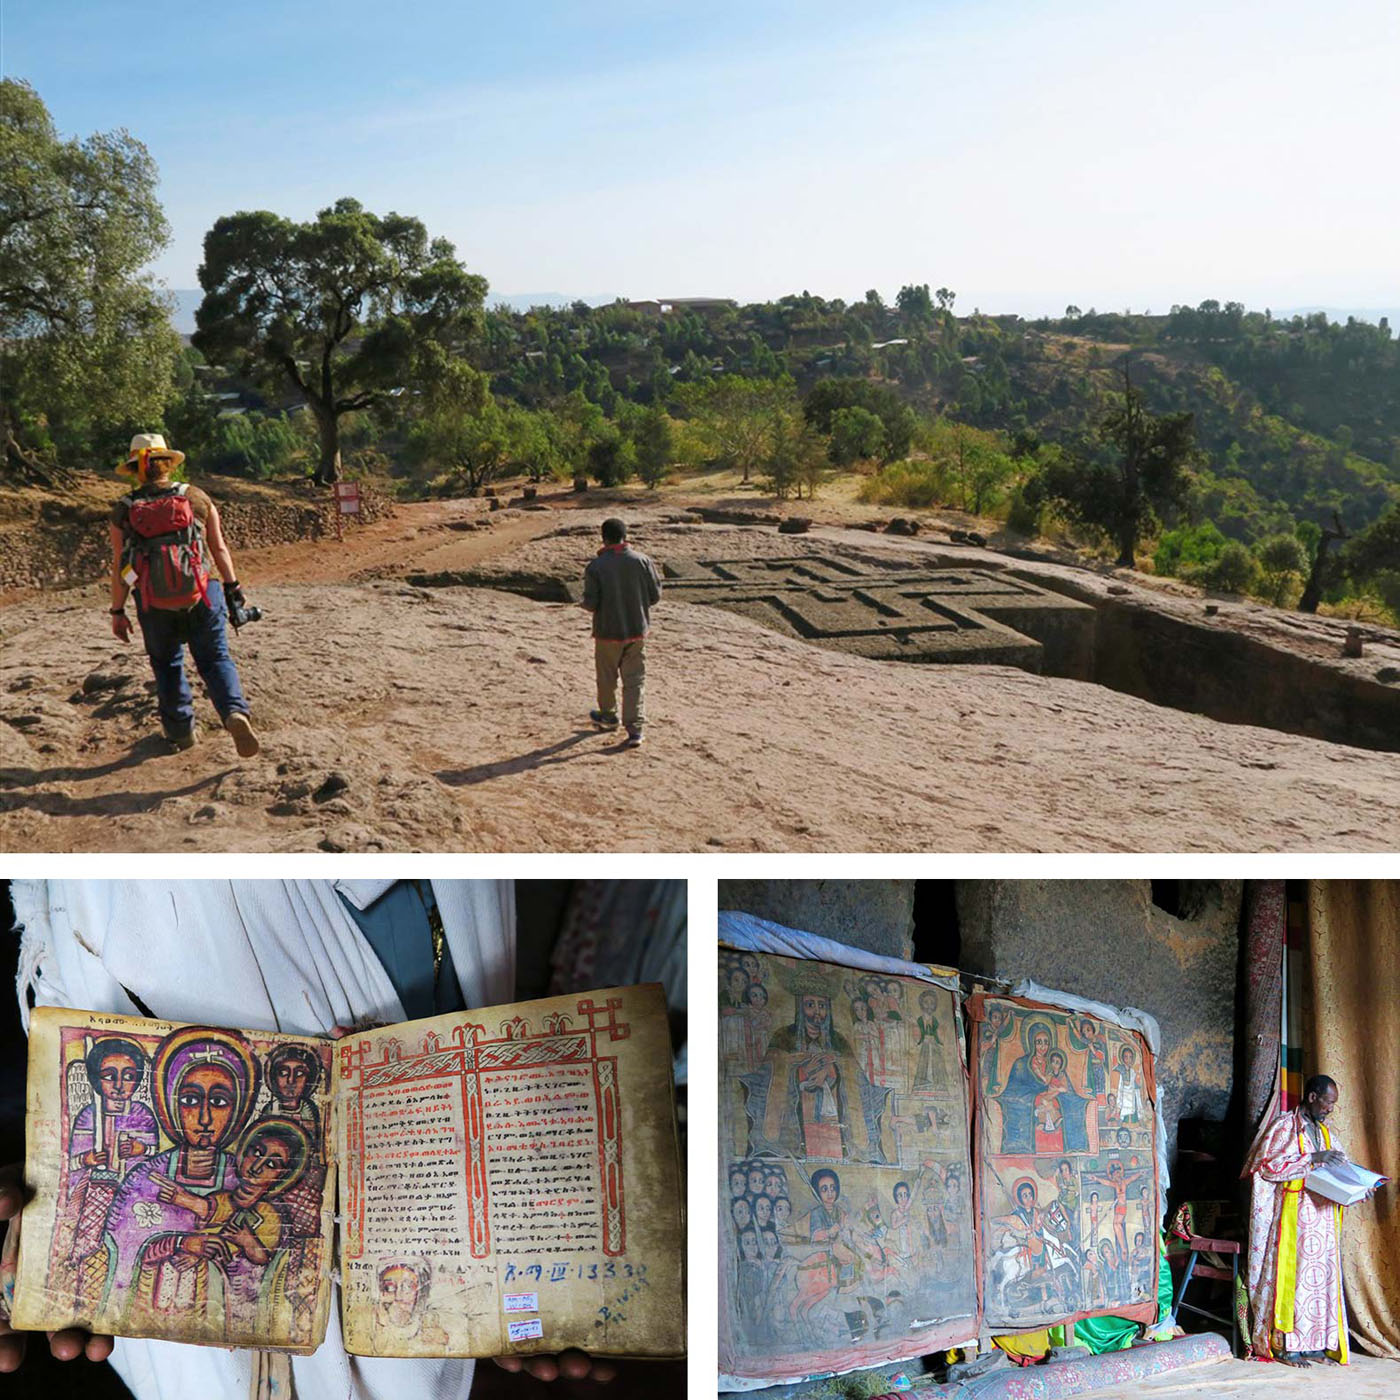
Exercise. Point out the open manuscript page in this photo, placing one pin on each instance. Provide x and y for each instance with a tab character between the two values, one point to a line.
510	1181
180	1182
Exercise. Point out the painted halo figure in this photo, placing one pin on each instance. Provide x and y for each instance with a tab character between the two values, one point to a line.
402	1319
811	1098
204	1083
110	1134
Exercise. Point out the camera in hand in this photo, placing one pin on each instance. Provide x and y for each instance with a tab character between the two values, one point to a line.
240	612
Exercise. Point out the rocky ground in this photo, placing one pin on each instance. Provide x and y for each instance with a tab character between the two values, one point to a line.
397	717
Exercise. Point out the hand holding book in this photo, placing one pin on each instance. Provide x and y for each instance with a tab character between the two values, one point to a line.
508	1180
1342	1181
67	1344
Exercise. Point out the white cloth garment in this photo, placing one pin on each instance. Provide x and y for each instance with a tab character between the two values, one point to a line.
264	955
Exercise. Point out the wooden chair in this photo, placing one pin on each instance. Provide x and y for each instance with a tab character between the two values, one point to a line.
1198	1245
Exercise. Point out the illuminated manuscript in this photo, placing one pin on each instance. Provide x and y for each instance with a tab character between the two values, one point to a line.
846	1234
180	1178
509	1182
1067	1166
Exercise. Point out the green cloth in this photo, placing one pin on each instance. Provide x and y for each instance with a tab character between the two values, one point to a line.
1102	1334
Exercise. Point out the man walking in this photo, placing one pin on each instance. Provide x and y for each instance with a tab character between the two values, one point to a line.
620	586
158	534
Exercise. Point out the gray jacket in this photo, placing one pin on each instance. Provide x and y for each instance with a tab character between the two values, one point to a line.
620	586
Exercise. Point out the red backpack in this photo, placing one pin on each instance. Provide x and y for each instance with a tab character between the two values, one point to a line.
166	549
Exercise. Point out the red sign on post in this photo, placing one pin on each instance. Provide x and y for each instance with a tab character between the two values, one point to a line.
347	502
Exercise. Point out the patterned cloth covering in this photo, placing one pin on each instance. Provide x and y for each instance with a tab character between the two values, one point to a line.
1065	1378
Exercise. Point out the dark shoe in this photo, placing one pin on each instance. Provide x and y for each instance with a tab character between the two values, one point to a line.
633	740
244	740
604	719
180	740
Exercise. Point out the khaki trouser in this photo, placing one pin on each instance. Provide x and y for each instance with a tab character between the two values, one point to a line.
628	659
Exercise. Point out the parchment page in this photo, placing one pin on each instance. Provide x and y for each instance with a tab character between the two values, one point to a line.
1067	1166
510	1181
180	1182
845	1233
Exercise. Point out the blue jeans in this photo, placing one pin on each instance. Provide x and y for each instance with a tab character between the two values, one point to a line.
166	632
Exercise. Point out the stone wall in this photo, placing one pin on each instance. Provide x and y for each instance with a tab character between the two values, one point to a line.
877	915
1106	939
68	545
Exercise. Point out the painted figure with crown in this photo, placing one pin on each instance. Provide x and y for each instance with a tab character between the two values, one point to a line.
810	1099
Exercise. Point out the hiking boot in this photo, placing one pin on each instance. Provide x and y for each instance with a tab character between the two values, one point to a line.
604	719
244	740
633	740
182	740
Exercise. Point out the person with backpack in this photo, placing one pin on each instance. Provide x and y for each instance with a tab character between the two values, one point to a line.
162	534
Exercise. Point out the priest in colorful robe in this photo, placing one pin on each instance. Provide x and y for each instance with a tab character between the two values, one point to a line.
1296	1299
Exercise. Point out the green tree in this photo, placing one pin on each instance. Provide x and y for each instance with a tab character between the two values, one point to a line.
733	414
1139	472
857	435
1188	550
346	311
655	442
463	432
830	395
1325	565
611	457
87	353
1235	571
979	467
252	444
577	423
1283	560
537	442
796	455
915	305
1374	550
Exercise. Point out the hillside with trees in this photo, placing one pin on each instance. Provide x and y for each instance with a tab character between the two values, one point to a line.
1217	443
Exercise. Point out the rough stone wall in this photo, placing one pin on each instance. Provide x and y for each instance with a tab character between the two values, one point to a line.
877	915
1106	939
65	551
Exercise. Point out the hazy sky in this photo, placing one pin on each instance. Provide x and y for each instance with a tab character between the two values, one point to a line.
1026	153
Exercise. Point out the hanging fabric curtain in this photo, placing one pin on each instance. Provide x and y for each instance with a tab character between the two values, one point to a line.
1349	1020
1265	929
1295	981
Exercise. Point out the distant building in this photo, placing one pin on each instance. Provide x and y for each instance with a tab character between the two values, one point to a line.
667	305
698	304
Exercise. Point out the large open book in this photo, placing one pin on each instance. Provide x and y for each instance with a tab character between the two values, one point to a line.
509	1182
1346	1183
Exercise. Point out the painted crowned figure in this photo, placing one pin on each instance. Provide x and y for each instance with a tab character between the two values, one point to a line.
1296	1299
810	1098
204	1084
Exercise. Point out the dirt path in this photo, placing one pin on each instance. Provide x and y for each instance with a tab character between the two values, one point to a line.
398	718
454	534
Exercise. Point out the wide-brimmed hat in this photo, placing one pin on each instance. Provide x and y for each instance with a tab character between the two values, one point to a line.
144	447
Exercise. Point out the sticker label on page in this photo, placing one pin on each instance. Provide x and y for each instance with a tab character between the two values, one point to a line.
522	1331
522	1302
